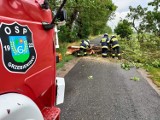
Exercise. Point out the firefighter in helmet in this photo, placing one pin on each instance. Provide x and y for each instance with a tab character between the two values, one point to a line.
83	47
104	45
115	46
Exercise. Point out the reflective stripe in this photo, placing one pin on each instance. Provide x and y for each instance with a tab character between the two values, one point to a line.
119	54
104	54
82	47
85	42
104	46
113	54
115	45
103	40
114	39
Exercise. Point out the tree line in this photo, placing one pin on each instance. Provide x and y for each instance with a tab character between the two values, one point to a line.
148	20
140	42
84	18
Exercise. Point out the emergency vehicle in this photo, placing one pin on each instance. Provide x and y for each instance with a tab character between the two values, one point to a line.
29	88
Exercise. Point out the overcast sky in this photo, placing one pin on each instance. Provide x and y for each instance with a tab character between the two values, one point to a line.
123	9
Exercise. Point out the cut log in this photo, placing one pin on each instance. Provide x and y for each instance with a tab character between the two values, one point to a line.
92	50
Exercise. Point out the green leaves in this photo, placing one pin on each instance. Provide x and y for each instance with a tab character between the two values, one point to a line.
90	77
156	63
91	20
125	66
149	20
124	29
135	78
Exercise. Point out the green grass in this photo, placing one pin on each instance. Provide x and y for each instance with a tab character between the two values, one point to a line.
155	74
63	49
65	58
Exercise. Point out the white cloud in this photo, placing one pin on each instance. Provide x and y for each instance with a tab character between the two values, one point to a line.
118	17
122	5
123	9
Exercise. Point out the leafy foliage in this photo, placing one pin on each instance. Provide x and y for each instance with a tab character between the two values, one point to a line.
123	29
146	52
136	14
156	63
125	66
149	20
65	58
85	18
135	78
153	18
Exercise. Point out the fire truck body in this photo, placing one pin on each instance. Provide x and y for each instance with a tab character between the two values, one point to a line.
27	66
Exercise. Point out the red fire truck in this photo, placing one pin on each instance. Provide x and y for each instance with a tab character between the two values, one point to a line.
29	88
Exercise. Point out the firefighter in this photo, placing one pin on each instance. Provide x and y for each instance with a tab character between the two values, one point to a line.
83	47
115	47
104	45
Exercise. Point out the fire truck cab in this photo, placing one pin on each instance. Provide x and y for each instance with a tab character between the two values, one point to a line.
29	88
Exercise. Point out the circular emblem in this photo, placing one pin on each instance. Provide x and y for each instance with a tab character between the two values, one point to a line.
18	49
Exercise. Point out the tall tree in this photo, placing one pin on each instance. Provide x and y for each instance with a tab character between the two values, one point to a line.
123	29
136	15
87	17
149	20
153	18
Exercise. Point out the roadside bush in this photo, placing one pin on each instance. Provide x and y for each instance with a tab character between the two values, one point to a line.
156	63
146	52
65	36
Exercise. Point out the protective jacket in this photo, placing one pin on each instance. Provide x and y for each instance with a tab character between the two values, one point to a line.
114	42
84	44
104	42
115	47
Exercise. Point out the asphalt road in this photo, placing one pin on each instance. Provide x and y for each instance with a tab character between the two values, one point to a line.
109	95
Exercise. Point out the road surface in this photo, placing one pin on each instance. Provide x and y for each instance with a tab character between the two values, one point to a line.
97	89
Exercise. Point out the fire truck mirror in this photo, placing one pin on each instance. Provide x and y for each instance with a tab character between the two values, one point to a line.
62	15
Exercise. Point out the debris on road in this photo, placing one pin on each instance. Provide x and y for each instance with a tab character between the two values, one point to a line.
90	77
135	78
125	66
95	49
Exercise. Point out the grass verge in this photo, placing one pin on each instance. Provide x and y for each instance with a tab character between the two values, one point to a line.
155	74
65	58
63	49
